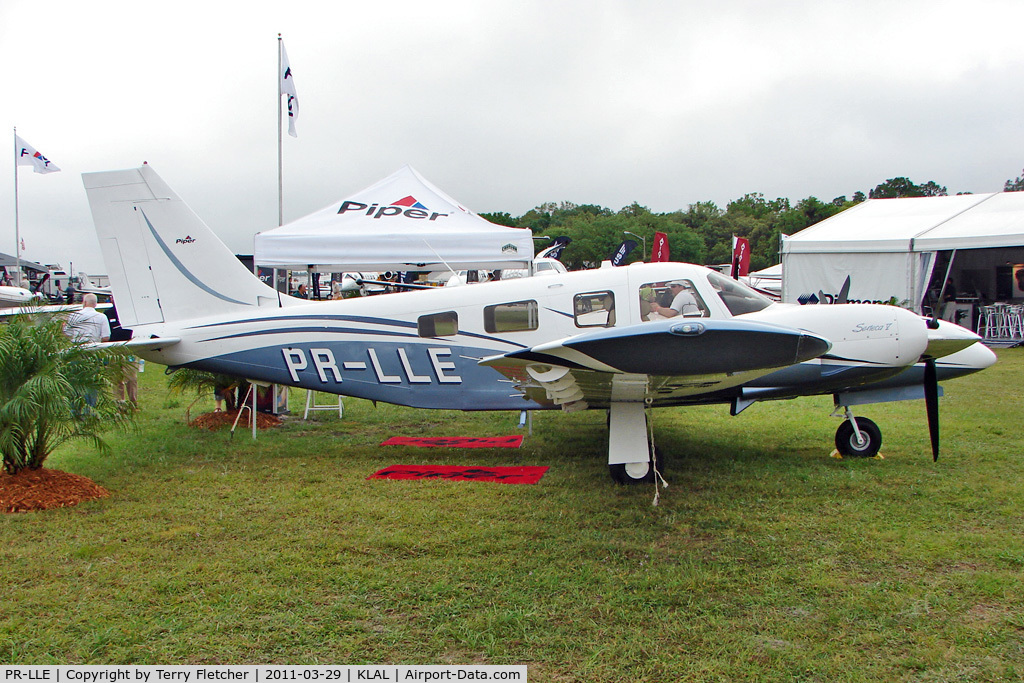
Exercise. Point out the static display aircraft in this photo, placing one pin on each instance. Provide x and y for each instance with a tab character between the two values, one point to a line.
595	339
11	296
87	286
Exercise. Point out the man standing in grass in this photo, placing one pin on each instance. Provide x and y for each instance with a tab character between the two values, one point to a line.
88	324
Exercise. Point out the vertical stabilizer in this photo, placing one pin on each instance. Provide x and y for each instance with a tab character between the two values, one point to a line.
164	263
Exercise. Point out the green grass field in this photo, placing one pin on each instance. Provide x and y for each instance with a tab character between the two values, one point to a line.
765	560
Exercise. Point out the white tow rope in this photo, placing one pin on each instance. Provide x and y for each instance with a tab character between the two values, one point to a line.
654	456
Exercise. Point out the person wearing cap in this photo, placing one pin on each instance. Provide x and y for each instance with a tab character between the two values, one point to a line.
683	301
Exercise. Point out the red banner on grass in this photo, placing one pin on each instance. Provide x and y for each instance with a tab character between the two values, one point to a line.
529	474
514	441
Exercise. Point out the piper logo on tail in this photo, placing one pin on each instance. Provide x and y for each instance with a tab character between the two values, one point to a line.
406	206
187	239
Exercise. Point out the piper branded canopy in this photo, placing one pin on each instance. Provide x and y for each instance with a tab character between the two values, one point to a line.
402	222
887	246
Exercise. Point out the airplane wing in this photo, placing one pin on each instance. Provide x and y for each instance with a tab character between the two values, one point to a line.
671	359
44	310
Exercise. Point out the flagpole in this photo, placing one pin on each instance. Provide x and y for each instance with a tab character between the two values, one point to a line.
17	225
280	149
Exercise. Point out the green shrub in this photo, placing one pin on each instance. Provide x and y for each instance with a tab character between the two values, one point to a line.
53	390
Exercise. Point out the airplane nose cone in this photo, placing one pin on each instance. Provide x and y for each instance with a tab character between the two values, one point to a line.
811	346
948	339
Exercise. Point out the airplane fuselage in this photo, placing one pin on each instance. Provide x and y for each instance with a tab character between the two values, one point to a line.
422	348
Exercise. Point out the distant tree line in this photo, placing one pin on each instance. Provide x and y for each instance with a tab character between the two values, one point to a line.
702	233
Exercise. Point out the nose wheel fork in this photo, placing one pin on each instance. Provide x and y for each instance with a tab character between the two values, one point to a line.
857	437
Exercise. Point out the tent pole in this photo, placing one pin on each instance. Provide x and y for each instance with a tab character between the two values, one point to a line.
945	280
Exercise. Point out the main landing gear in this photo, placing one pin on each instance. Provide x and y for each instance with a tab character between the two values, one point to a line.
857	437
631	458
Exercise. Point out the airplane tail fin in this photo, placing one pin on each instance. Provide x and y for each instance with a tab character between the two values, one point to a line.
84	280
164	263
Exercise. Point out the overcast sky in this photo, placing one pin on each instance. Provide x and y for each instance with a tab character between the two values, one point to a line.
503	105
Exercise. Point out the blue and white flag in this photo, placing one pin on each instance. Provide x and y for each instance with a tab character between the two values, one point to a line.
288	88
619	257
26	155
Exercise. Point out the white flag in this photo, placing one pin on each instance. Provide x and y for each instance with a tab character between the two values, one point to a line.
28	156
288	88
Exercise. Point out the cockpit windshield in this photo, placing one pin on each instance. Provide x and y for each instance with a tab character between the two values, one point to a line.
737	297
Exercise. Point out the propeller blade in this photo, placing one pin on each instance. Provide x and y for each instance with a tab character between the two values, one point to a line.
931	401
844	293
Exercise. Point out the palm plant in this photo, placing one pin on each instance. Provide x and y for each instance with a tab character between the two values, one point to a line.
204	383
53	390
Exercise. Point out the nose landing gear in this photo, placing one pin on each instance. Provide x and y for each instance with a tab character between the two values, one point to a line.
858	437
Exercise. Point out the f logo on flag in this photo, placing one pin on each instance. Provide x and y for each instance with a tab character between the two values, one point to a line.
27	155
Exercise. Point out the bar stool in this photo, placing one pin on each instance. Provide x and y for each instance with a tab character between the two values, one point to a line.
987	322
1002	321
1015	321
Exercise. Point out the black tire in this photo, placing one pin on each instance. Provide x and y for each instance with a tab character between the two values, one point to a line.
621	476
846	439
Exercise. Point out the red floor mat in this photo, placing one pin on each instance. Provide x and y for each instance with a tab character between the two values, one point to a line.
457	441
529	474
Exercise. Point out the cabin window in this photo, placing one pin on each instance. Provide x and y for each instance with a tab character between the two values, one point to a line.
594	309
736	296
518	316
662	300
438	324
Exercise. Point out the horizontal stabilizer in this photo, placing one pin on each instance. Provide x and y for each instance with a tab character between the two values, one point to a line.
696	346
152	344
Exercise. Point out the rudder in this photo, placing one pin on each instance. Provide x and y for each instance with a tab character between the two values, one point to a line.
163	262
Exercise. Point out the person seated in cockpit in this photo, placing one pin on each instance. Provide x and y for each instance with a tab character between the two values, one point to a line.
683	302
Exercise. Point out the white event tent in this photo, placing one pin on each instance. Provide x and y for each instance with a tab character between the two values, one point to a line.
402	222
902	249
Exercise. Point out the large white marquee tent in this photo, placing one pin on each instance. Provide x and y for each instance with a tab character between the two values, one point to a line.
902	249
402	222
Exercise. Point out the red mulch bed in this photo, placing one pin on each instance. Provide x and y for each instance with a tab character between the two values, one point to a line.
226	418
44	489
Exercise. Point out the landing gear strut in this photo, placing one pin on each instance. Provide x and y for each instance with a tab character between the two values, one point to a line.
631	460
858	437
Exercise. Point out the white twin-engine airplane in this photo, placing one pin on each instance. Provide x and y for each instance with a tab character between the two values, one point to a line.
571	341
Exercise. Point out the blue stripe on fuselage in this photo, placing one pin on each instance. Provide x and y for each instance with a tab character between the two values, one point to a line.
384	322
419	375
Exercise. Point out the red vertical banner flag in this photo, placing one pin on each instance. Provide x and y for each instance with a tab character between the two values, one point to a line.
659	252
740	256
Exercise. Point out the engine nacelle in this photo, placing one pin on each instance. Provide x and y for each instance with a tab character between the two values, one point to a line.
887	336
